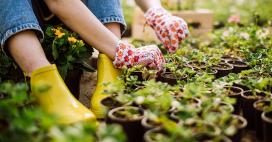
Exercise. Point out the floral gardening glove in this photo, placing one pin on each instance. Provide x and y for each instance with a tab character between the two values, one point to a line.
128	56
170	30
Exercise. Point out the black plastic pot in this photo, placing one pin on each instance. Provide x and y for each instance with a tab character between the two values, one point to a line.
235	92
209	138
170	78
3	125
259	107
238	66
208	71
241	86
148	135
267	126
72	81
242	123
223	69
195	64
248	98
131	125
149	124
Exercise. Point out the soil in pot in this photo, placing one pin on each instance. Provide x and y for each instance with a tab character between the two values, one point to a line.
267	127
130	118
238	65
196	64
223	69
209	71
260	106
248	98
110	103
171	78
72	81
235	92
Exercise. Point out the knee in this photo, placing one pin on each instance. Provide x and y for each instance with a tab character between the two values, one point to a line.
56	5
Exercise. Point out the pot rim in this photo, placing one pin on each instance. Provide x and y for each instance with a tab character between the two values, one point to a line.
265	118
113	117
177	78
243	63
244	96
145	124
258	101
147	134
236	87
242	119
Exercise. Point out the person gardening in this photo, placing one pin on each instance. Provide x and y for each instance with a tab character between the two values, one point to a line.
100	23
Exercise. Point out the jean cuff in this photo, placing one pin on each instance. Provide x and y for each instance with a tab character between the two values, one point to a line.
115	19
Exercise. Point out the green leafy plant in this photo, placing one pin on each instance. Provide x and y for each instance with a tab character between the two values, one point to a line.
66	50
9	70
23	120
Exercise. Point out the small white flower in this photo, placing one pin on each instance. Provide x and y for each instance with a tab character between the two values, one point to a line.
244	35
226	33
139	100
217	100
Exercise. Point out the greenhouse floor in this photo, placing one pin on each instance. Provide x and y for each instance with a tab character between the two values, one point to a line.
87	87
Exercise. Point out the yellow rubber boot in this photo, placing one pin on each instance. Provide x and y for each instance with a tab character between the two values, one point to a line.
106	73
57	99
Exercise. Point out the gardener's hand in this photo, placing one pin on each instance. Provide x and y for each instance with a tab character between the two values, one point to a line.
128	56
170	30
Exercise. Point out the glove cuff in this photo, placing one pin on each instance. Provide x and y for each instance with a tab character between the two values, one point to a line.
124	56
153	15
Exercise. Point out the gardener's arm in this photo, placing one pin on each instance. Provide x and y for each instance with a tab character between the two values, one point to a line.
147	4
79	18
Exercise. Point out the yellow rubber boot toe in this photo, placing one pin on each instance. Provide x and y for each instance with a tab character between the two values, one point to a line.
57	99
106	73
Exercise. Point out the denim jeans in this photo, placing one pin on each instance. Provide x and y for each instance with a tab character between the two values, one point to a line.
18	15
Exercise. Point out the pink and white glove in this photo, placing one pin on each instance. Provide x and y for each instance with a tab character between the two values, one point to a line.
128	56
170	30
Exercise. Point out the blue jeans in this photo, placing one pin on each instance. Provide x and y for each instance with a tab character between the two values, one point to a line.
18	15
